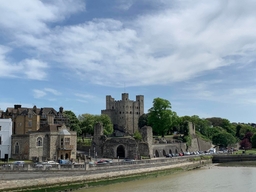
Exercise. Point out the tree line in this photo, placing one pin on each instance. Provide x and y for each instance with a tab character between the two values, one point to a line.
164	121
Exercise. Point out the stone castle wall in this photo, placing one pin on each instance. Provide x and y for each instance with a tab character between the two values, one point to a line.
125	113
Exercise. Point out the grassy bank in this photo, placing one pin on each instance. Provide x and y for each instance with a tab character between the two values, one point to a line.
105	181
245	152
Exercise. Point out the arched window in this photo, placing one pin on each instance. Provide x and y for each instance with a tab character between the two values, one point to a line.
17	148
39	141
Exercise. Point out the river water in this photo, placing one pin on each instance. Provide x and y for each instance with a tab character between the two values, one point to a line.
210	179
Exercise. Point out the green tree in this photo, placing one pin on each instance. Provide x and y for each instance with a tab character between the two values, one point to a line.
224	123
73	122
238	128
106	122
223	139
87	122
254	140
161	117
245	129
137	136
214	131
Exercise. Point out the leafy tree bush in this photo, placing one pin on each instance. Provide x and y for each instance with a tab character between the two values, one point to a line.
254	140
187	140
73	122
87	122
245	144
137	136
223	139
161	117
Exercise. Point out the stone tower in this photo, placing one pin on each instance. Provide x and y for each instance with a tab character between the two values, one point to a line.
96	148
124	113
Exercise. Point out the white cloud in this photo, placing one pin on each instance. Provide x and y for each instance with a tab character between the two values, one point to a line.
44	92
32	16
124	4
34	69
29	68
53	91
85	96
179	43
7	69
38	93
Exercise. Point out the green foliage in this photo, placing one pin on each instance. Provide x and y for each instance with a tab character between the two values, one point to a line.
137	136
106	122
87	122
223	139
187	140
224	123
245	129
161	117
73	122
254	140
84	142
214	131
202	136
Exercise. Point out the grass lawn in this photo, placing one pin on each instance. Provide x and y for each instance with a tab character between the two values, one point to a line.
246	152
85	141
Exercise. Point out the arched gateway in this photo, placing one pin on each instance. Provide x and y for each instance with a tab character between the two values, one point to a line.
120	152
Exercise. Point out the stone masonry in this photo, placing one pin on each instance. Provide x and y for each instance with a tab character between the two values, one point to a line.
125	113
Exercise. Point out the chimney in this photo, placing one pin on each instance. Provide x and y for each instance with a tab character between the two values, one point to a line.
17	106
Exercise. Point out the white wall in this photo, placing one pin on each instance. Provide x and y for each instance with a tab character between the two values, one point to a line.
5	134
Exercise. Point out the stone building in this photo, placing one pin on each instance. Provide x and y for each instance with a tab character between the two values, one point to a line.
122	147
129	147
31	119
124	113
51	142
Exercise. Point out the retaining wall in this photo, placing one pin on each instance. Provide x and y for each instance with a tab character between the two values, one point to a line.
45	180
232	158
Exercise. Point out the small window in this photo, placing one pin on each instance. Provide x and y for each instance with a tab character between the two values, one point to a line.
0	140
61	142
67	141
17	148
30	123
39	141
29	115
0	128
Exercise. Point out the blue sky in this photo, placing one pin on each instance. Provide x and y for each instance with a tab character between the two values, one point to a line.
199	55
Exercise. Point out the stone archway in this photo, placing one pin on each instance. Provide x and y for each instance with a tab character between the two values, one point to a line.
66	156
156	154
170	151
164	153
120	151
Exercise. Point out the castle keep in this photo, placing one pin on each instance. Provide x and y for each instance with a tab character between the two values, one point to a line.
124	113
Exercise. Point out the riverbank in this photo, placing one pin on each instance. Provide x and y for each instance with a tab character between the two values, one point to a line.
75	182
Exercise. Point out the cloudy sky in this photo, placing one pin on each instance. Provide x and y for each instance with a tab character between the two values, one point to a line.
199	55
